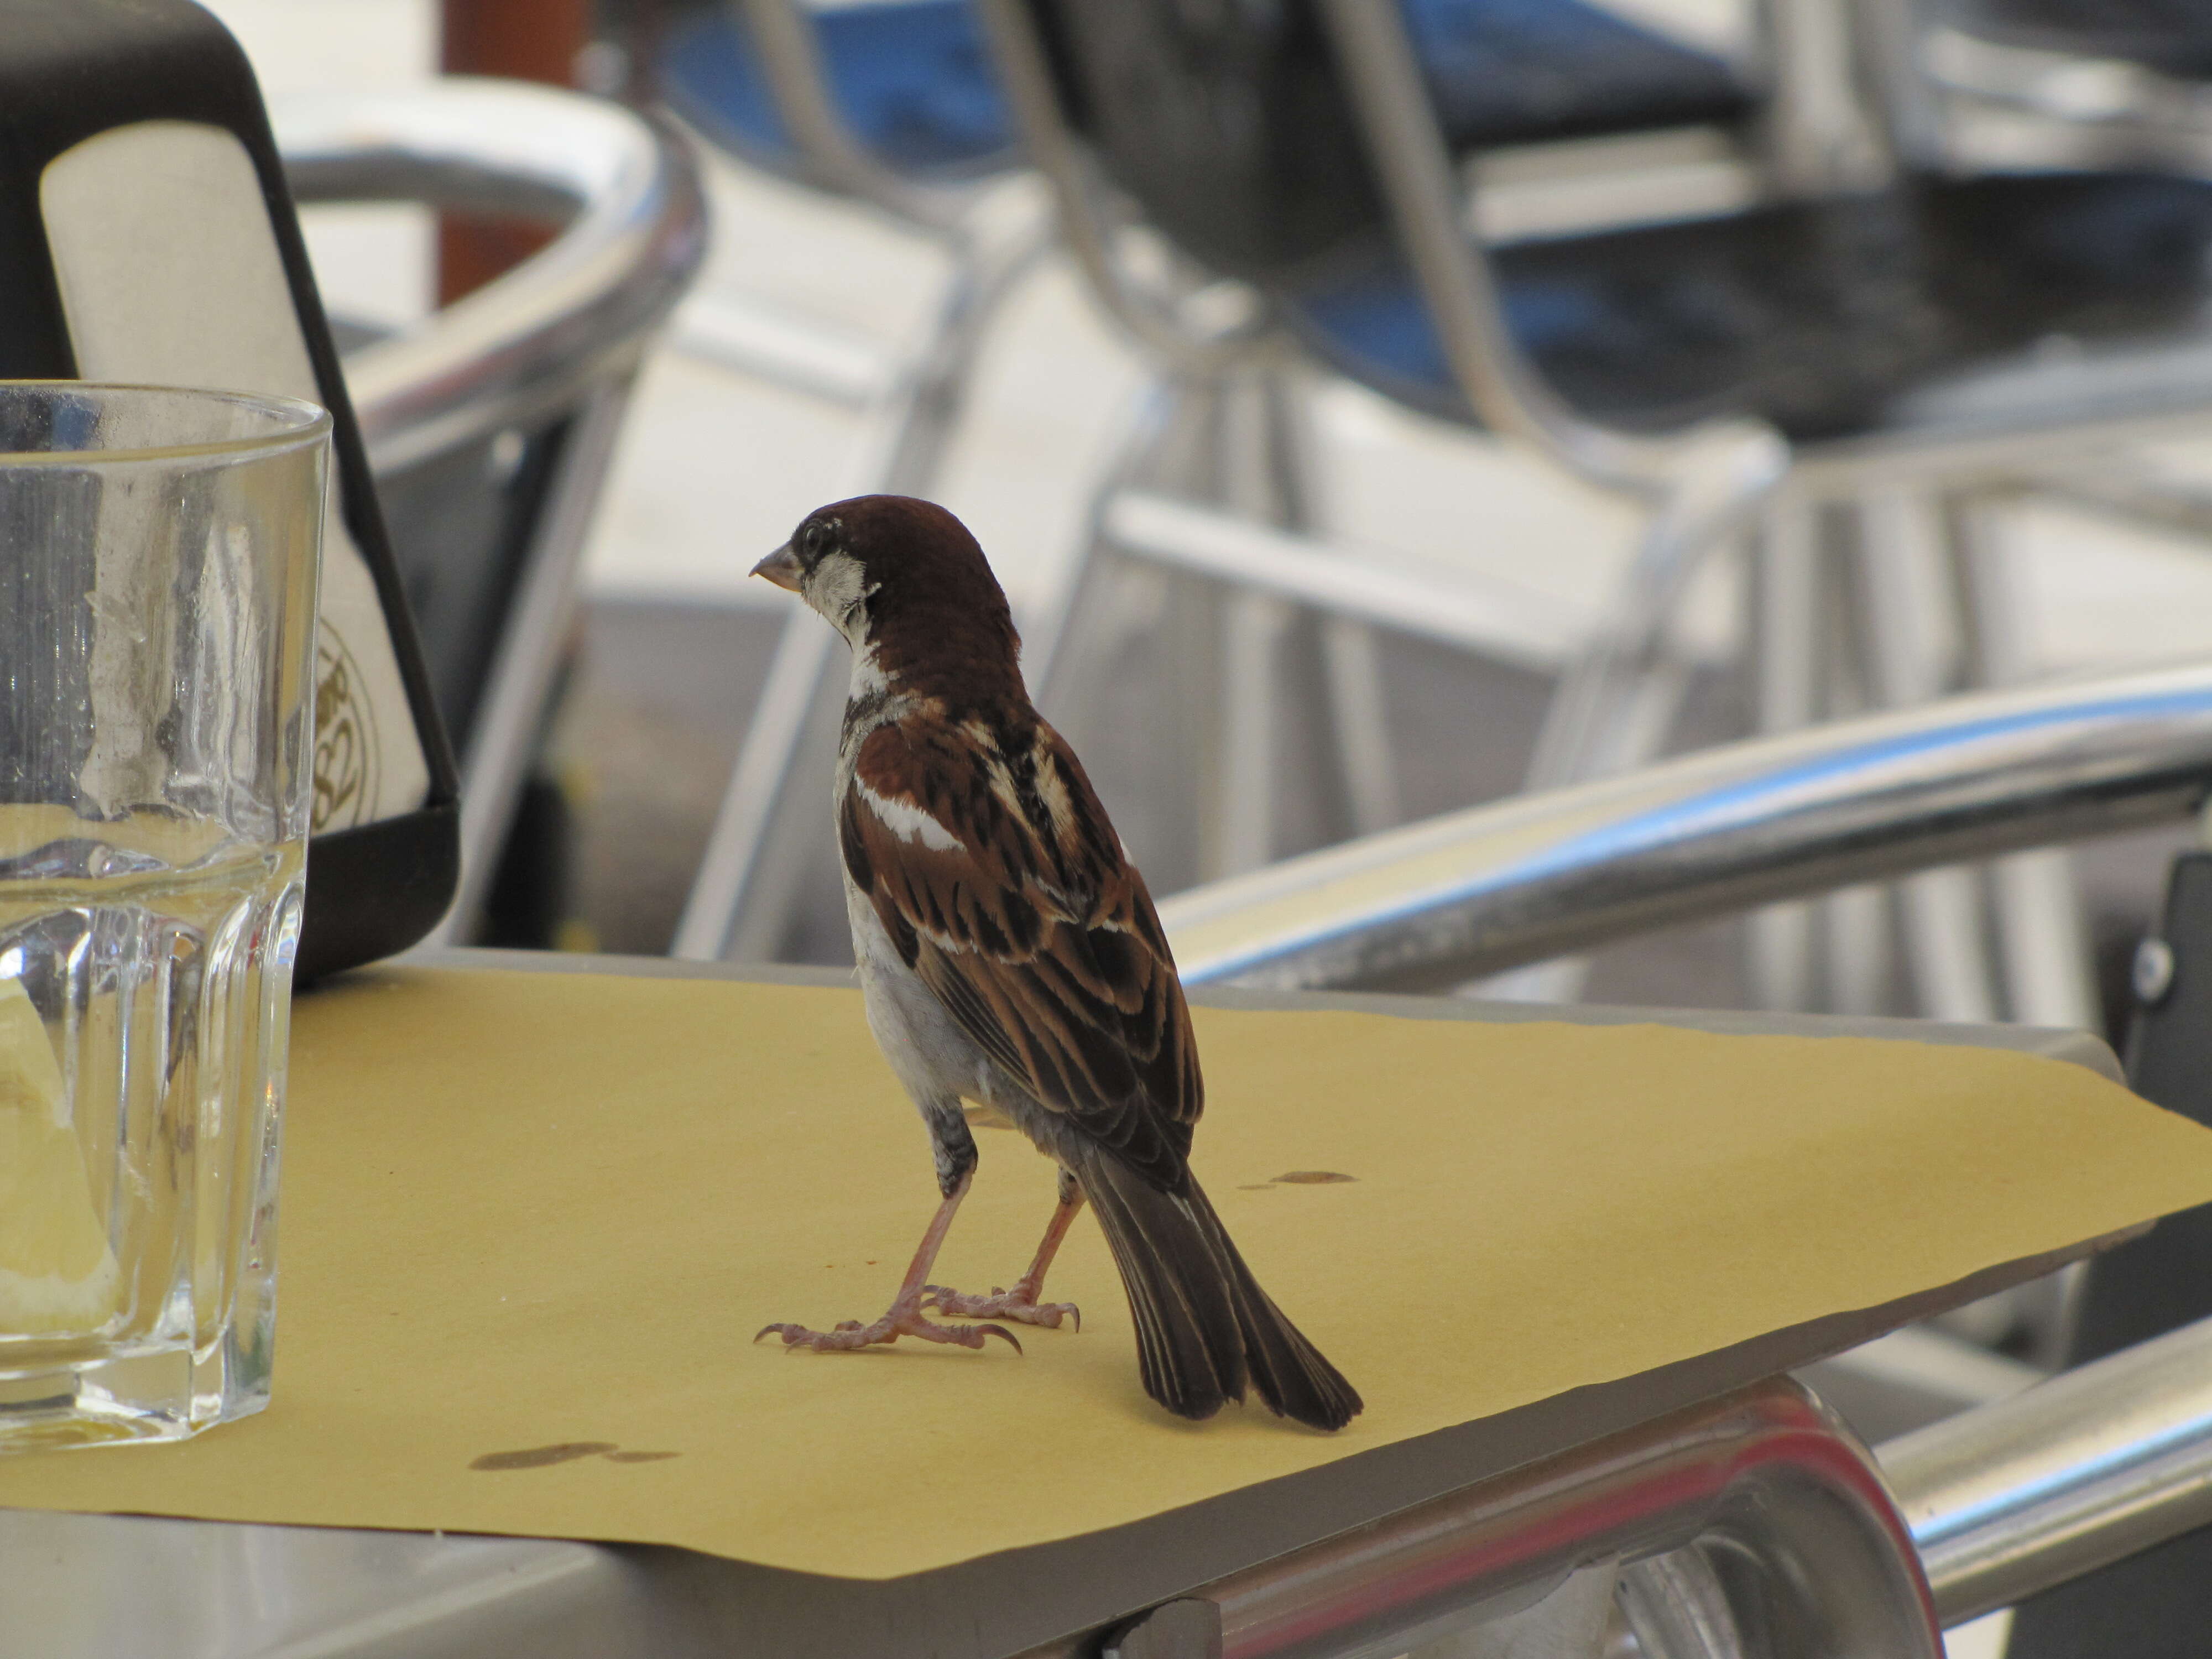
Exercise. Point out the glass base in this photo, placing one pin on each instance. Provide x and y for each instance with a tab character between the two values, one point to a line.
162	1395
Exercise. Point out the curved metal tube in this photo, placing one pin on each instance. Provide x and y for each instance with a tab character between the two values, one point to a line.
1766	1475
1530	877
2069	1476
572	314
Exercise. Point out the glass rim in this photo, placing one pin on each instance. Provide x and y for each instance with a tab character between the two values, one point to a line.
300	421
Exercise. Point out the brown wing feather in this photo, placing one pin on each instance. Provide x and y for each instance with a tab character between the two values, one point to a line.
1031	929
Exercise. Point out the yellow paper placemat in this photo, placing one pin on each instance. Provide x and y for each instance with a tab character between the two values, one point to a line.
523	1211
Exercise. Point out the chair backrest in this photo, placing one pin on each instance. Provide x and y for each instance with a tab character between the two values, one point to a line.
1263	88
489	425
1227	124
1231	127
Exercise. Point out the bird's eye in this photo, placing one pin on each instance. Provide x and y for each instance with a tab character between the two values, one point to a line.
815	542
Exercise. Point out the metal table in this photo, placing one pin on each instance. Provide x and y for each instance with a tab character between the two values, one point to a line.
1652	1479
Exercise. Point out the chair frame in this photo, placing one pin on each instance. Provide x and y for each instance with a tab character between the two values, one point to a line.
561	336
1723	470
1725	481
763	837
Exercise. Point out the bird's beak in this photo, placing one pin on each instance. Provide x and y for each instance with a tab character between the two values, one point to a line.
781	567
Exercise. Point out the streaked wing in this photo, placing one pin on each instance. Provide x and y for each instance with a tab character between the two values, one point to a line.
1001	883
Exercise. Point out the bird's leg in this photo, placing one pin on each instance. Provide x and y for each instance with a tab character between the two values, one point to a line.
1021	1303
904	1316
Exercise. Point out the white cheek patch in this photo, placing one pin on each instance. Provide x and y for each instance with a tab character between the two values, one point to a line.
909	822
868	677
835	588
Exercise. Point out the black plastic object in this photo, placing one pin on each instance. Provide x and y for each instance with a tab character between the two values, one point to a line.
1229	124
106	95
2156	1605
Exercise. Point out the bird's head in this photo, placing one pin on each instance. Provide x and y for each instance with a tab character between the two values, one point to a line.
902	578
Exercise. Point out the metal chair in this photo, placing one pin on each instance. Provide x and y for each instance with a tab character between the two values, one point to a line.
1887	330
1224	426
892	106
1283	198
1199	122
1997	86
489	426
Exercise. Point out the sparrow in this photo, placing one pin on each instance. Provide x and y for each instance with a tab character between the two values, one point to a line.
1009	955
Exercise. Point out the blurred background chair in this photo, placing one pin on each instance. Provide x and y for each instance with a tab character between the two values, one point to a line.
1209	128
892	106
1225	427
2043	85
1923	344
489	425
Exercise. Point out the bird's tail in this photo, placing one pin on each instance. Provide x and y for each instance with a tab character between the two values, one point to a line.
1204	1326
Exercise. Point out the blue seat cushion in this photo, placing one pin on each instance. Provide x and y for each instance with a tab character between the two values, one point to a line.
1518	71
1829	319
914	80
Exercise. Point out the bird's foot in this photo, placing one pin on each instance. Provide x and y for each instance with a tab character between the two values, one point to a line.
1019	1305
904	1318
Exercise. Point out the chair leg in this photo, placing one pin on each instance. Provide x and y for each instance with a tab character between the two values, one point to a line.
766	836
1351	663
1078	633
1060	647
1241	786
1942	909
2043	938
1617	700
1857	924
1360	725
1237	784
1781	629
743	883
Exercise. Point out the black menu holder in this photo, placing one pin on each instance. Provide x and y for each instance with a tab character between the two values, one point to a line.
146	235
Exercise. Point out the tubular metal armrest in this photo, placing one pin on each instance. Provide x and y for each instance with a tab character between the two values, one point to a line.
579	311
1764	1480
2070	1475
554	344
1531	878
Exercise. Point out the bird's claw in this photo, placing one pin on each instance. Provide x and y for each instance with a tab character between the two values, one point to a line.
1016	1304
900	1321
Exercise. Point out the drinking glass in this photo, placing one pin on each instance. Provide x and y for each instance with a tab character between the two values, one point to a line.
159	551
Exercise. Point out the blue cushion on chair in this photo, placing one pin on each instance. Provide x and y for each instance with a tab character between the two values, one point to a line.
914	80
1511	71
1830	319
